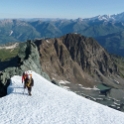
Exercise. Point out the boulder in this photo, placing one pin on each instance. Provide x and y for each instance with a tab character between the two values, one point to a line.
116	93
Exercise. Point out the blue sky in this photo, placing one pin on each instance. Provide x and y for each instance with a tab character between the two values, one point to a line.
59	8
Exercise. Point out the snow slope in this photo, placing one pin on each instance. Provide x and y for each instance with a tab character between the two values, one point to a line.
51	104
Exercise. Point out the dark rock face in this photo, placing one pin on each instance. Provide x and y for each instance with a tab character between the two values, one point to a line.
89	54
79	60
57	62
92	58
27	59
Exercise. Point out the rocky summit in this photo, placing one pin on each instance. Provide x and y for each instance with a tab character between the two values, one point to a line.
78	59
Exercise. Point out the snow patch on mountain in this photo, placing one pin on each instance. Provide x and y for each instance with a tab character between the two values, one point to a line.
11	32
10	46
47	41
64	82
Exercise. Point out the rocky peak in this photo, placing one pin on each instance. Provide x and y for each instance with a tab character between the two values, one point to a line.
77	59
89	54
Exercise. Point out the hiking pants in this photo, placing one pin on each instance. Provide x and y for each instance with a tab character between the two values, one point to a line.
29	88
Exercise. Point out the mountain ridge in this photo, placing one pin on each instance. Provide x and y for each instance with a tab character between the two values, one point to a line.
12	30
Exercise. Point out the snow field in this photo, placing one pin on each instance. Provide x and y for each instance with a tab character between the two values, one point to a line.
50	104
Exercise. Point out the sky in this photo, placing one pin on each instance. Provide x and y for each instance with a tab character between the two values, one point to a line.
70	9
51	104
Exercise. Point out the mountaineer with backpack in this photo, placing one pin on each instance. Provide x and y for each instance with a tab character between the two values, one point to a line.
28	81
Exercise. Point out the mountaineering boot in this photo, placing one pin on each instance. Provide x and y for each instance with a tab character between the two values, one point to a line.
29	93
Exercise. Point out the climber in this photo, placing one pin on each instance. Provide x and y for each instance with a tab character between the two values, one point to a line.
28	81
24	76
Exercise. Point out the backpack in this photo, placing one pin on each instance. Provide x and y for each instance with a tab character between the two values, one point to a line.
28	82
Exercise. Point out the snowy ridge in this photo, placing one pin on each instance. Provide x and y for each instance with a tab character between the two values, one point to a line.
114	17
51	104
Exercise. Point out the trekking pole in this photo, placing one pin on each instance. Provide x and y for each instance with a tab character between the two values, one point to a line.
24	91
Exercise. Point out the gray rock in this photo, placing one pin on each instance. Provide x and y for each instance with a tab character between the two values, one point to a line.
116	93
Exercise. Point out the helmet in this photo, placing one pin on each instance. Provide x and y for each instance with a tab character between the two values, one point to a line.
24	73
29	76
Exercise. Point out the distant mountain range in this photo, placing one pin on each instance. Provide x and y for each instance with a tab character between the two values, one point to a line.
106	29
